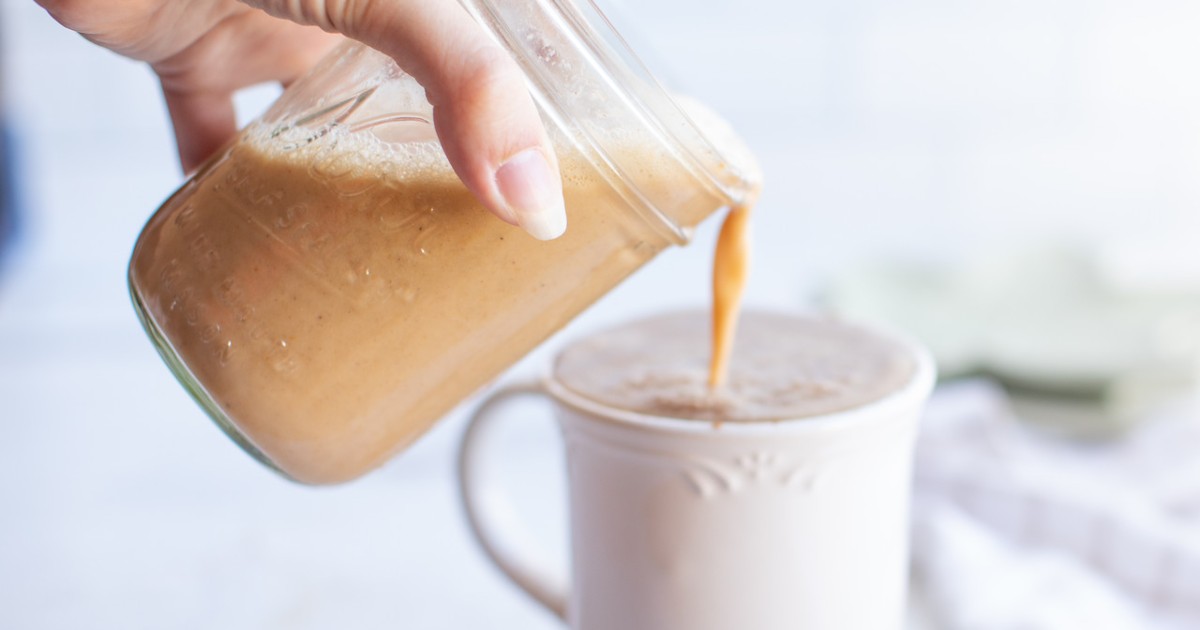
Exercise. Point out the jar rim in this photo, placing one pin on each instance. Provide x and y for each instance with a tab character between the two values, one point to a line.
617	67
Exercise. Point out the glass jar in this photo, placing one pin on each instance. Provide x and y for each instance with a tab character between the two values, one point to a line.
326	288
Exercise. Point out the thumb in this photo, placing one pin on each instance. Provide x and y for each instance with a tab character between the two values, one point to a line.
483	113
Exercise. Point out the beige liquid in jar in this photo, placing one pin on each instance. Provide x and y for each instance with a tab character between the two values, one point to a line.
335	297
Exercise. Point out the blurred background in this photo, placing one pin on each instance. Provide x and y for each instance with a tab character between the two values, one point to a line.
1017	182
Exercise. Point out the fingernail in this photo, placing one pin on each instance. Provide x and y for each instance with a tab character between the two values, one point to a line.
533	193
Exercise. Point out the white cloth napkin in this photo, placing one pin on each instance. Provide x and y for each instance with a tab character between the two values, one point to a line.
1014	530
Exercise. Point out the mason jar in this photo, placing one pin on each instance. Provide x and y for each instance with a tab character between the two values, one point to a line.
326	288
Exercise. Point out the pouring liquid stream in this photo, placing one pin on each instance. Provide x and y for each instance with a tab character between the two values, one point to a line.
731	266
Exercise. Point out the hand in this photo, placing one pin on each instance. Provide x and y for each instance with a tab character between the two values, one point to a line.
205	50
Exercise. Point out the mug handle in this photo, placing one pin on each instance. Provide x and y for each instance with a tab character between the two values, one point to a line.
490	513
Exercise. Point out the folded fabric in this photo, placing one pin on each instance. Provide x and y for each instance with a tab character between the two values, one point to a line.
1013	529
975	580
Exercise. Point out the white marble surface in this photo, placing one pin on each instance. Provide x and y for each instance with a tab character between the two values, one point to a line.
925	127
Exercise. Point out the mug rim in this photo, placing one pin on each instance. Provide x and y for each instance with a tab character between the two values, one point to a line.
912	393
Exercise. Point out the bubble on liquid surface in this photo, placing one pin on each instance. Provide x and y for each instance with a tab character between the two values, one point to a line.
783	367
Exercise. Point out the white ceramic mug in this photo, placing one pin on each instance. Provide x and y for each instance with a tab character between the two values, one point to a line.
686	525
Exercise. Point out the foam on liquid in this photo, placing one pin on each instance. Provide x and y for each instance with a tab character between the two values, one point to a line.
782	367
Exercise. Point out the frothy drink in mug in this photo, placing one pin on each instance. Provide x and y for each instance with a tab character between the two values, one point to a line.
329	297
782	367
778	500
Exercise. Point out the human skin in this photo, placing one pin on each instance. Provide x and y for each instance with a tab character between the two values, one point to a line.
205	50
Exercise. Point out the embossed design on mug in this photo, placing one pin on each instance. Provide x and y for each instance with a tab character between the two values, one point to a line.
758	464
709	476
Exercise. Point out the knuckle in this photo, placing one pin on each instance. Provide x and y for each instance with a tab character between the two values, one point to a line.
319	13
352	17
